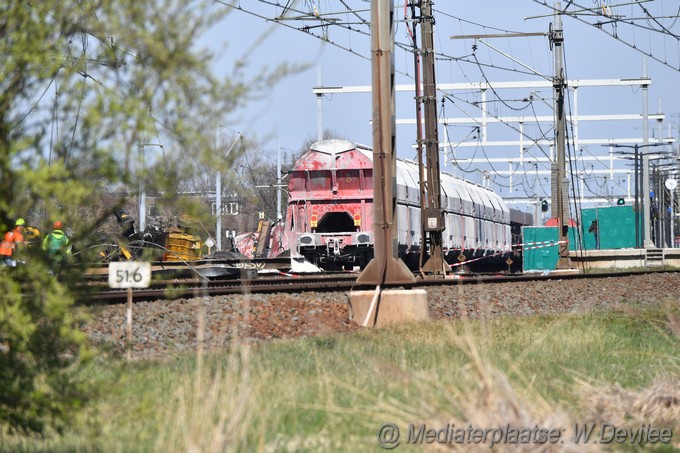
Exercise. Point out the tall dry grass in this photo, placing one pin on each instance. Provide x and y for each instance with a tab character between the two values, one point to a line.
483	397
332	394
215	410
657	404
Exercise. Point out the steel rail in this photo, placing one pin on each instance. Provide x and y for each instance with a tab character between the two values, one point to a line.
100	294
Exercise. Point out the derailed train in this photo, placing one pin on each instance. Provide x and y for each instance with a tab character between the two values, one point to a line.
329	218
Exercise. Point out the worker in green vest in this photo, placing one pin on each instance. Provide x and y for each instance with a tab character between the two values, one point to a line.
57	246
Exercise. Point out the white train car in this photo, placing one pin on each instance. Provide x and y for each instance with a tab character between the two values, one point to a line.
476	220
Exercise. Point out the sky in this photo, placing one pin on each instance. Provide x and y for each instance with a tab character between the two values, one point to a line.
287	115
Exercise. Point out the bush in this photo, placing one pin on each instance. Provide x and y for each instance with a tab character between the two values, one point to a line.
41	348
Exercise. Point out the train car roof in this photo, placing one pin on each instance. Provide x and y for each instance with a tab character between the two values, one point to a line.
332	146
334	154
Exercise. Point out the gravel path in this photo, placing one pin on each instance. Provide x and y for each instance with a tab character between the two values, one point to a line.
162	328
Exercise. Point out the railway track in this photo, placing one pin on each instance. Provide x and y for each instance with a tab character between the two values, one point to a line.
172	289
168	326
99	293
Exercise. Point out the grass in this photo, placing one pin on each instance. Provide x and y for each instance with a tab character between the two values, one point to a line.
333	393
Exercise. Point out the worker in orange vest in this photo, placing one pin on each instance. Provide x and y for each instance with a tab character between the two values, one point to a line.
13	239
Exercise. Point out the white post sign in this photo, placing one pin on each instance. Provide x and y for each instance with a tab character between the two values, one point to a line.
129	274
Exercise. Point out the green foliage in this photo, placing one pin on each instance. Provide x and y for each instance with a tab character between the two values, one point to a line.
88	90
41	344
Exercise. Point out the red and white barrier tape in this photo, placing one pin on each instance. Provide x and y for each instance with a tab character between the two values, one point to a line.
533	245
477	259
285	274
542	246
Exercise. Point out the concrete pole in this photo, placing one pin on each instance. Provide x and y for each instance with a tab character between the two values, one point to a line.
646	223
560	196
385	267
380	306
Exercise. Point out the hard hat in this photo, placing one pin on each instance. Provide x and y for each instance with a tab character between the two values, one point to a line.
56	225
20	222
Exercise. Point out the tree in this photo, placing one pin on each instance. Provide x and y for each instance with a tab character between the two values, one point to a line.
88	89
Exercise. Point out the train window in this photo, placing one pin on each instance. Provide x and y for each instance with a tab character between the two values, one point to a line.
319	181
348	180
297	181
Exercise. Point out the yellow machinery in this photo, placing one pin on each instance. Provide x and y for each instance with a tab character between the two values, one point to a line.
181	246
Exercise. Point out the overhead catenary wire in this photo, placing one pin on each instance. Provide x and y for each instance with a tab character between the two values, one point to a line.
238	7
352	14
616	36
403	46
534	141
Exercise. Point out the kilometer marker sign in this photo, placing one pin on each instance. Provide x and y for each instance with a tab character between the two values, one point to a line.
129	274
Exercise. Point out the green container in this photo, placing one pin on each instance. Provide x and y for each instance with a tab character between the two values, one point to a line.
543	258
615	227
588	215
574	239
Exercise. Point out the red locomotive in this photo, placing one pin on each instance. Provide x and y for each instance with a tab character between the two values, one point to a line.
329	219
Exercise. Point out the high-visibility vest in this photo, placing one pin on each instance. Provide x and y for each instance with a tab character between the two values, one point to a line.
57	243
7	246
11	239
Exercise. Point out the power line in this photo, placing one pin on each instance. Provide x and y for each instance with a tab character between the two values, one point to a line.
615	21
